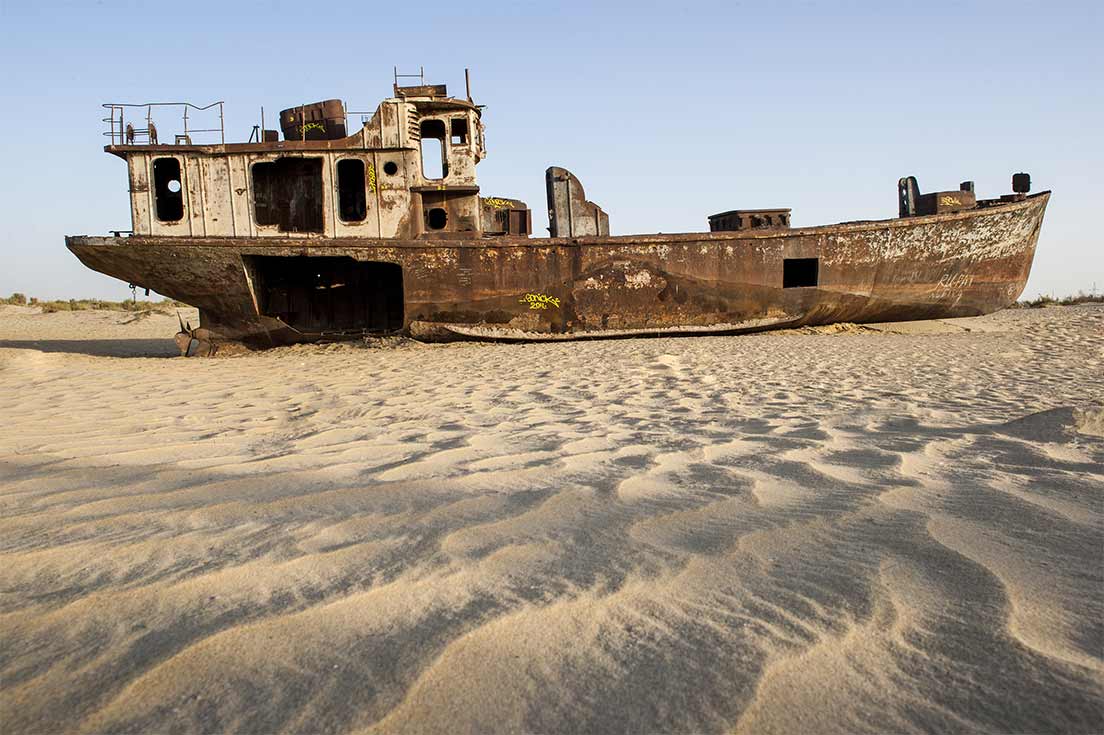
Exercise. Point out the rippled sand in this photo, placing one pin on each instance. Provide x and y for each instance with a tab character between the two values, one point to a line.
792	532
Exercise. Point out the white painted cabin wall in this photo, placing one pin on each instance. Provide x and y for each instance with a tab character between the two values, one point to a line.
218	196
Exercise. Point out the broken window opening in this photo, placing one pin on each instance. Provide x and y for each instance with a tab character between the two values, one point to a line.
434	153
287	192
168	193
800	272
459	130
352	202
330	294
436	218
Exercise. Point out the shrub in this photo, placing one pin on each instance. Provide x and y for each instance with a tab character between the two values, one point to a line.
1047	300
168	306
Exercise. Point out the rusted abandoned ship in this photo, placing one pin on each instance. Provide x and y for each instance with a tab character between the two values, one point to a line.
325	234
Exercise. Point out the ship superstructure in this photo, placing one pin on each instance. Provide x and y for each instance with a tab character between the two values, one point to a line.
407	173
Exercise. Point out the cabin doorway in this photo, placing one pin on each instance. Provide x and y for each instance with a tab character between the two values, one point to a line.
287	192
329	294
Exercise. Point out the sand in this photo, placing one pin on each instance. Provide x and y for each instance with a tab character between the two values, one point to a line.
840	530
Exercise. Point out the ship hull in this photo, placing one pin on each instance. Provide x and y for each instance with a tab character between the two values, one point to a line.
251	289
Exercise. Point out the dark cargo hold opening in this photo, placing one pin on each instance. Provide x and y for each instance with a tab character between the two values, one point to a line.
330	294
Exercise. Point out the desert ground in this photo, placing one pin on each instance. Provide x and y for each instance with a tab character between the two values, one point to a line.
836	530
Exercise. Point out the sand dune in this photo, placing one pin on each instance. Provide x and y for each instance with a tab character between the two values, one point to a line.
898	528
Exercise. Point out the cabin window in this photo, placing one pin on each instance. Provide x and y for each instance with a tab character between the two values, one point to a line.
800	272
168	193
459	130
436	218
287	192
390	168
352	205
434	162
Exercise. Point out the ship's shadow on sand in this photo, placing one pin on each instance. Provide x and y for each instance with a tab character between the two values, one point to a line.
98	347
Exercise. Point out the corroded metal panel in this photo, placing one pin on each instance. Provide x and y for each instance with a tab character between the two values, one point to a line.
569	212
392	119
396	212
505	216
375	181
748	219
240	196
138	172
195	204
218	216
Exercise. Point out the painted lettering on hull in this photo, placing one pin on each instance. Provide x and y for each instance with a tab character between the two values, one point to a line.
539	300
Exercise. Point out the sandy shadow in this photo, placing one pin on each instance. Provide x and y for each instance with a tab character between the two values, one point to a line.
98	347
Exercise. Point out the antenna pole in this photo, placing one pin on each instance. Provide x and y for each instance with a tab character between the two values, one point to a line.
467	83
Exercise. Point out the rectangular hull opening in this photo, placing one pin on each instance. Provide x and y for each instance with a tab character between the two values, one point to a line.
800	272
330	294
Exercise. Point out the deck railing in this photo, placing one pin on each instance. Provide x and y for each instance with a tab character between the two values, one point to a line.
122	130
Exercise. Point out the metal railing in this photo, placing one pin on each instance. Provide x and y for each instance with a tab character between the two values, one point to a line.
122	132
365	116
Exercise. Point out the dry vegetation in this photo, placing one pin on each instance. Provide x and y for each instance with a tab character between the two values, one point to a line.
1048	300
166	306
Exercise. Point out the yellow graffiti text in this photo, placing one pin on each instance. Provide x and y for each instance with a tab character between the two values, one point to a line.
311	126
948	201
497	203
539	300
371	178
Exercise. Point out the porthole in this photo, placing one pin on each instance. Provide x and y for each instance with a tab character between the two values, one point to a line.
437	218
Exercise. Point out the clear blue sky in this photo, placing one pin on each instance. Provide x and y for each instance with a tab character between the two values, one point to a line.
667	112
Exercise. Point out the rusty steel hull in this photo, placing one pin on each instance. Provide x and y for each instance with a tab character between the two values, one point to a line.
960	264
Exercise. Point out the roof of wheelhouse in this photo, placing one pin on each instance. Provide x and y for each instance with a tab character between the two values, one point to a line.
427	99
